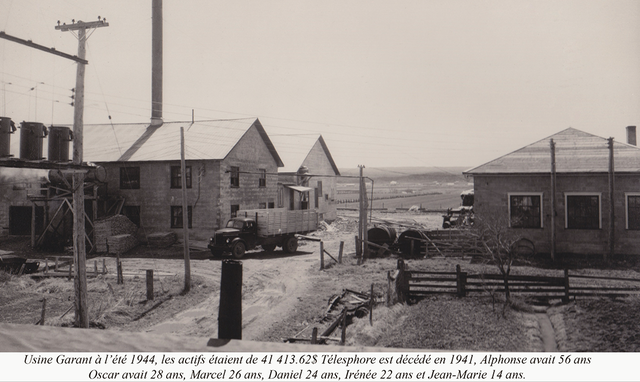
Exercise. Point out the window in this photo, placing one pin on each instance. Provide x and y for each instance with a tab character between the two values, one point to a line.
176	178
262	206
176	216
133	213
262	181
272	205
235	176
129	178
633	211
316	197
234	210
319	187
280	196
582	211
525	210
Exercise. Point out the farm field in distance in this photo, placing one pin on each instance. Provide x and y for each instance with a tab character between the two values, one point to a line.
429	188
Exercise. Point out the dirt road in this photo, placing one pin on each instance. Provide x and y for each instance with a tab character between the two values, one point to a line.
272	283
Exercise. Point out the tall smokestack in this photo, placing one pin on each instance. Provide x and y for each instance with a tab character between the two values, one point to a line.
631	135
156	65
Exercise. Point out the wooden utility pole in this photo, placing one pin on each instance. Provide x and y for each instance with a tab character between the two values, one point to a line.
612	226
185	215
361	217
365	207
553	200
79	250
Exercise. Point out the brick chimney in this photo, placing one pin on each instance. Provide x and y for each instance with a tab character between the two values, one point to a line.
631	135
156	63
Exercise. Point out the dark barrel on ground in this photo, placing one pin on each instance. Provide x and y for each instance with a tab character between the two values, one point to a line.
381	234
404	242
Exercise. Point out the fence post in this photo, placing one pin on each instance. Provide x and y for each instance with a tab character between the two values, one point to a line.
46	266
95	267
343	337
371	307
566	286
388	288
400	282
230	307
314	336
149	284
44	307
104	266
461	281
321	255
340	253
119	277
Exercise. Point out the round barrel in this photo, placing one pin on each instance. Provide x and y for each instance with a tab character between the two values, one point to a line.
381	234
31	136
7	127
61	179
404	241
59	138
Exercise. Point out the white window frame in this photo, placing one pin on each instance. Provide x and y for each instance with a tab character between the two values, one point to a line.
540	194
566	209
626	207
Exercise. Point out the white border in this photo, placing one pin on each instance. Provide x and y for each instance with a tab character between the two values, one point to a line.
626	207
566	211
540	194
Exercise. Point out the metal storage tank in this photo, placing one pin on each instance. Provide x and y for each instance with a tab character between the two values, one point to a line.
59	138
404	243
6	127
381	235
31	136
60	178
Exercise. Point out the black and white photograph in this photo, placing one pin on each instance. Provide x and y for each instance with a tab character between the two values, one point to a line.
319	190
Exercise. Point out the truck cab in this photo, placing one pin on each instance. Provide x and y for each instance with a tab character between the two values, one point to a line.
238	236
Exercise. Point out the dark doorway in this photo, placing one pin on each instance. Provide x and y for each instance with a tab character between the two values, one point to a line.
20	220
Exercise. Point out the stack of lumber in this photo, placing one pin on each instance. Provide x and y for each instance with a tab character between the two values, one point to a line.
161	239
121	243
280	221
112	226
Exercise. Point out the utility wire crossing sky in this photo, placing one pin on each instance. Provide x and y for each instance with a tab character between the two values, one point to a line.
410	83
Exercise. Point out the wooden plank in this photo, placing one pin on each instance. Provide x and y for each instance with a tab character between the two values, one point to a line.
516	278
605	289
604	278
413	287
413	278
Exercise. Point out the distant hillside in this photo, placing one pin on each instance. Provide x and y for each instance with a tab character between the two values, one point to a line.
407	174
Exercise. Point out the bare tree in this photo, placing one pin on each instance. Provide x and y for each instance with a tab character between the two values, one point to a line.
498	244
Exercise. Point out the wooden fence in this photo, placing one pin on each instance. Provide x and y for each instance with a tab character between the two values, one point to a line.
449	242
413	285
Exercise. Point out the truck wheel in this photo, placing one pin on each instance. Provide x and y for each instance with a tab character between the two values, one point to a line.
269	247
238	249
290	244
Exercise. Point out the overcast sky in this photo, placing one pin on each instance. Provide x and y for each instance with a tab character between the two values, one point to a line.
387	83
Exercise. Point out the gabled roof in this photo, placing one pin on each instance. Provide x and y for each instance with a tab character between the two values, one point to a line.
204	140
295	149
575	152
